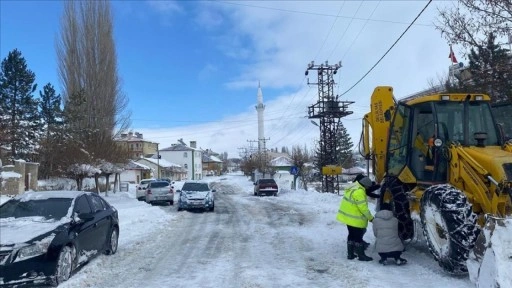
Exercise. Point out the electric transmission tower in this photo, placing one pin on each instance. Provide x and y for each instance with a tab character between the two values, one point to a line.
329	110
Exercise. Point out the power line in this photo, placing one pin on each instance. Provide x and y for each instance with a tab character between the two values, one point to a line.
403	33
346	29
329	33
359	33
320	14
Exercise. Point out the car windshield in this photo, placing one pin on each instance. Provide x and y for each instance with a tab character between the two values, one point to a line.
145	182
195	187
267	181
159	184
53	208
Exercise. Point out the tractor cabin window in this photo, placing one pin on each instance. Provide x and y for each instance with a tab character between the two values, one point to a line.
398	139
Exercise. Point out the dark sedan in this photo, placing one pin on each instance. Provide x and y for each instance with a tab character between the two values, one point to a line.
45	236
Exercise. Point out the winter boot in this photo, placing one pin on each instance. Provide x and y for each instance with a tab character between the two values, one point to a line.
400	261
382	261
366	245
360	252
351	250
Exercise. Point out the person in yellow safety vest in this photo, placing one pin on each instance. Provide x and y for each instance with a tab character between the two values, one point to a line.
355	214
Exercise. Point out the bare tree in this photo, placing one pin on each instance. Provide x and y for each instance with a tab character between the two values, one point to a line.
470	22
301	157
88	65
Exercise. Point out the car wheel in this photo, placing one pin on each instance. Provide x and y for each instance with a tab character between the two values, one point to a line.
212	208
64	265
112	242
140	198
171	202
275	194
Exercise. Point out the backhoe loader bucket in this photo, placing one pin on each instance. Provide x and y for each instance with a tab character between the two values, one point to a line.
490	261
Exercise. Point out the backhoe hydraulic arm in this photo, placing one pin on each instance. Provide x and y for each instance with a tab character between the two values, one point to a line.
490	195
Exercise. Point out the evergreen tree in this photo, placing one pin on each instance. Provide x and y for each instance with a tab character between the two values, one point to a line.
344	147
489	72
20	116
51	116
50	105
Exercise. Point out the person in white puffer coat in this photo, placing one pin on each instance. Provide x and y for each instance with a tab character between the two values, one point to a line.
387	242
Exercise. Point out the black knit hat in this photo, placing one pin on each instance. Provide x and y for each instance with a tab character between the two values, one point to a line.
359	177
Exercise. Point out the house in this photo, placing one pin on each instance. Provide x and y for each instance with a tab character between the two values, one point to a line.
212	165
133	172
282	165
162	168
188	157
136	145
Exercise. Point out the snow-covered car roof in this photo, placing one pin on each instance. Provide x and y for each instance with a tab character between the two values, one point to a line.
42	195
196	181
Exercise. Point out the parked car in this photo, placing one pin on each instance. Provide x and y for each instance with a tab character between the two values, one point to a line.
140	192
196	195
45	236
166	179
160	191
265	186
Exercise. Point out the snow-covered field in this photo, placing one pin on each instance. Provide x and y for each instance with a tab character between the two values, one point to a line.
318	238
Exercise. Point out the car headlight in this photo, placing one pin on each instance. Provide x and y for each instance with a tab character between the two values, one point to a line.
32	251
36	249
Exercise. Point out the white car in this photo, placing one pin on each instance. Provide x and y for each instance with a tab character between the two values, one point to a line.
140	193
196	195
159	191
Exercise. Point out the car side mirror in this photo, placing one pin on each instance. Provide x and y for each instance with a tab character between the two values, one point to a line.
86	216
255	183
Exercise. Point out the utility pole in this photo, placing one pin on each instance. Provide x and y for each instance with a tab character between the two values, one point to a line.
262	153
329	110
157	161
252	150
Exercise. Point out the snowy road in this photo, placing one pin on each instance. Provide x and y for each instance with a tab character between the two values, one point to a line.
249	241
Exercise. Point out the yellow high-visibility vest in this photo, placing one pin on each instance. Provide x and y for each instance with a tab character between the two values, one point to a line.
353	209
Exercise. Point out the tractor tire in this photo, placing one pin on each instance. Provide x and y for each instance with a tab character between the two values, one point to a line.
449	226
400	206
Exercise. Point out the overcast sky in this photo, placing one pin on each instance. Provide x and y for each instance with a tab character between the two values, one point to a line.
191	68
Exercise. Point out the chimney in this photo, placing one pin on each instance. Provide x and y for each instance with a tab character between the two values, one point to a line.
130	134
193	144
124	135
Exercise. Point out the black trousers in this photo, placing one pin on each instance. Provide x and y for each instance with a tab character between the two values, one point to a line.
355	234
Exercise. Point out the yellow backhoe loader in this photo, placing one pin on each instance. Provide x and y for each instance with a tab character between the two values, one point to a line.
445	166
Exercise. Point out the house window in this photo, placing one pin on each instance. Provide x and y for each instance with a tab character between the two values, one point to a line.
185	155
185	165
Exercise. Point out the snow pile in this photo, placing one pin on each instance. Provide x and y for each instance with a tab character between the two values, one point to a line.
4	199
136	218
493	271
10	174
